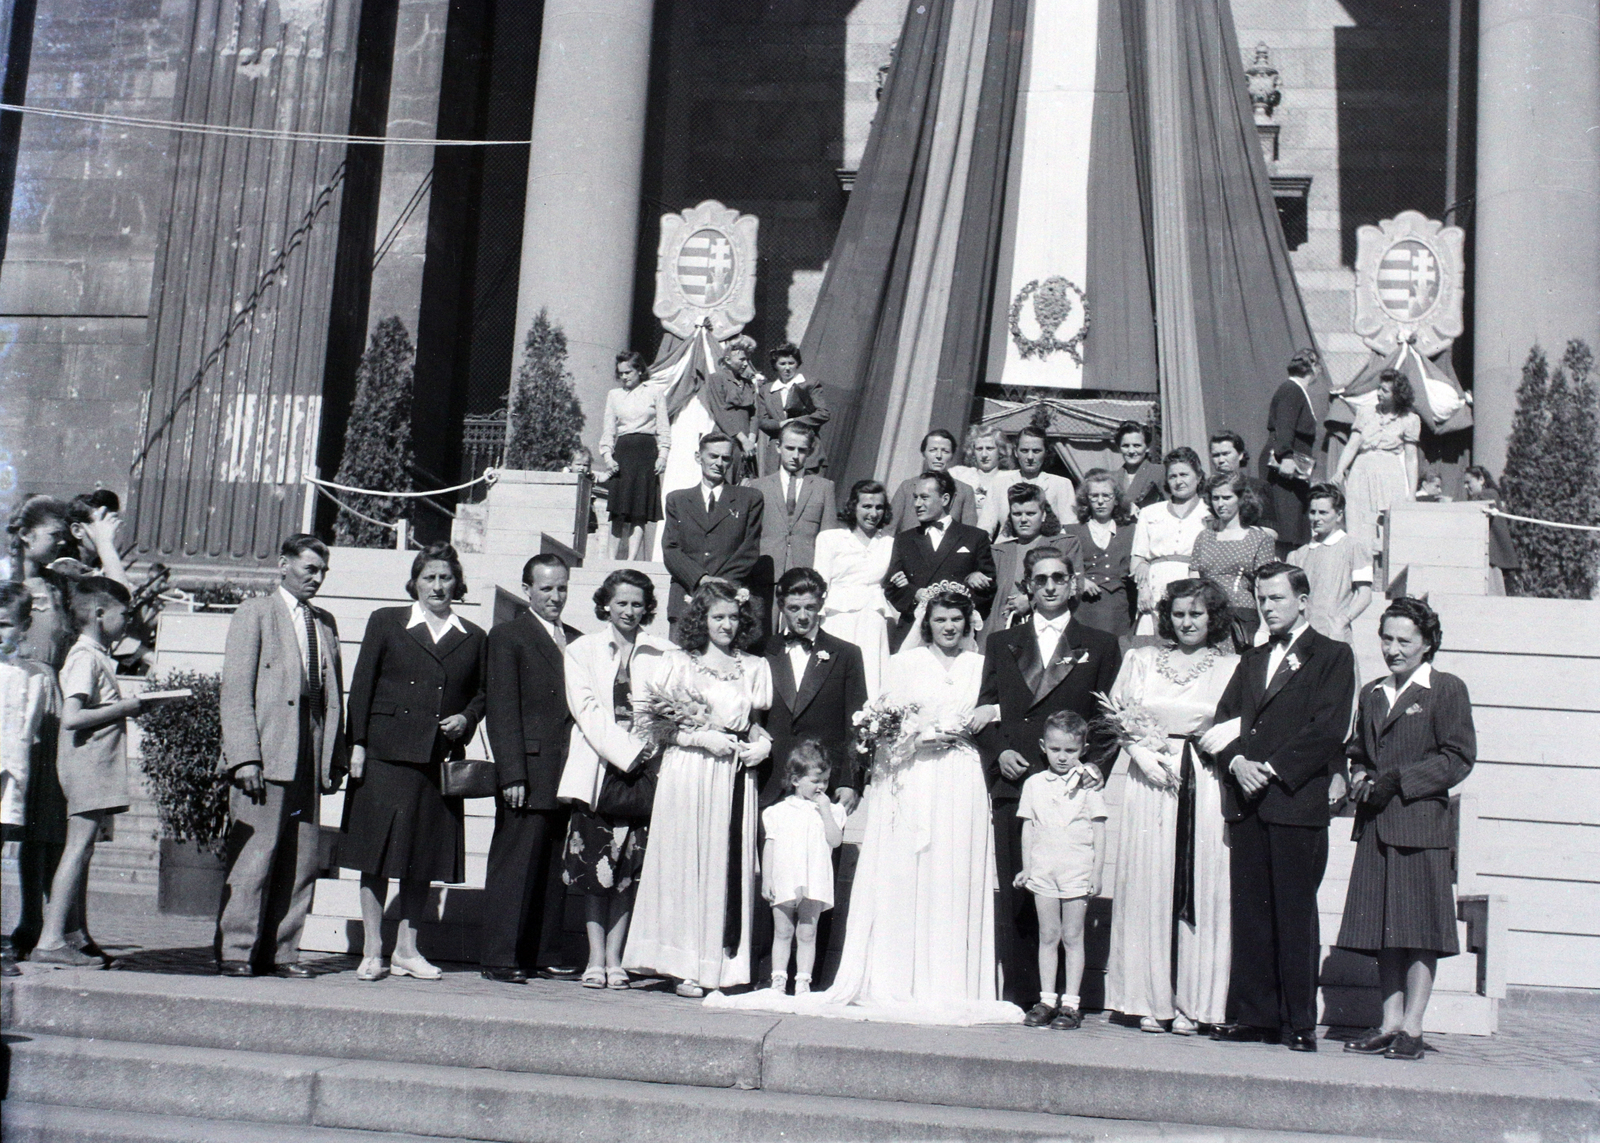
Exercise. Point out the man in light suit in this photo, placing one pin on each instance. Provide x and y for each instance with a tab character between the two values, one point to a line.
713	530
797	507
1279	742
529	729
282	746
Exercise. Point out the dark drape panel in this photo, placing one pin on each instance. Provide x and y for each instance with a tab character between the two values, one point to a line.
850	341
968	321
1120	351
1249	317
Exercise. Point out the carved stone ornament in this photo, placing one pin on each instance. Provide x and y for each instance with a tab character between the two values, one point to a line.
1409	276
1263	81
706	270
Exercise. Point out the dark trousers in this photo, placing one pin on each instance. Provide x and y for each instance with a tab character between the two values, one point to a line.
1275	871
524	900
1016	937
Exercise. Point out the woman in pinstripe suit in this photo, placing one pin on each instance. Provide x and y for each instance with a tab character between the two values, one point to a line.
1414	741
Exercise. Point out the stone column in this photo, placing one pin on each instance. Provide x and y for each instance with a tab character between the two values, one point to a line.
1538	199
582	224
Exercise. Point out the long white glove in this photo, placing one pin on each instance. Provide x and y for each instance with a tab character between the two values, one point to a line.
756	751
711	741
1220	736
1154	765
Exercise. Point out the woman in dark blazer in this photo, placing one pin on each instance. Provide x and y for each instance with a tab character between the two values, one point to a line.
1105	537
415	700
1414	740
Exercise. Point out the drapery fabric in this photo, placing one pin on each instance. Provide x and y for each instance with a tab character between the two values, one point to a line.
1190	288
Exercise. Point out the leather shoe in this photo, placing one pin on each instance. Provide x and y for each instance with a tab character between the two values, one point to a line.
1405	1047
511	975
560	972
1040	1015
1372	1044
1300	1041
1242	1034
235	968
293	972
1067	1020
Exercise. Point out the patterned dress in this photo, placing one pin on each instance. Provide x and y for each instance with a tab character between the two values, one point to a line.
1231	565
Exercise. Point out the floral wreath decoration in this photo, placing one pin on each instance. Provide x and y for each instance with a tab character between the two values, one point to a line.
1052	304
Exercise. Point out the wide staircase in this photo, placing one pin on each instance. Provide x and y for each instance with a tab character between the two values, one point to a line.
131	1057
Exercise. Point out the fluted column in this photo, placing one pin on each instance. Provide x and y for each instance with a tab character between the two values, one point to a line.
1538	199
581	227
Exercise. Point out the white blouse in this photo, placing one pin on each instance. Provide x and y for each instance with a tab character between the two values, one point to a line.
1159	535
854	569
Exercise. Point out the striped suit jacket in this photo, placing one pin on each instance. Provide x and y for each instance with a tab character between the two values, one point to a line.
1429	738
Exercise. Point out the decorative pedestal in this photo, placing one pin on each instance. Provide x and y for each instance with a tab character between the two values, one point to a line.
521	509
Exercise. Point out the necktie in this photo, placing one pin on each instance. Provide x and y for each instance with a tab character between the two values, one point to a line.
313	658
711	501
789	500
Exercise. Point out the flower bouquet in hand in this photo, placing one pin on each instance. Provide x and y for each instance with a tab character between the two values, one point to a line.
880	723
660	712
1143	735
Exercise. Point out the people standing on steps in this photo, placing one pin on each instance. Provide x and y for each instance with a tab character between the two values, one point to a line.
789	398
1338	569
1287	462
852	560
283	746
797	507
635	434
986	471
1164	534
1228	456
1140	476
1104	532
936	548
529	727
730	397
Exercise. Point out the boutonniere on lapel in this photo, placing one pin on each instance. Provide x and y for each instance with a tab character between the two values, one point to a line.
1081	659
1414	708
822	656
1293	662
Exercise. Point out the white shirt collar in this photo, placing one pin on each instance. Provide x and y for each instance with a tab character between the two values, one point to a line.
779	386
1333	538
1421	677
558	636
418	615
290	601
707	490
941	523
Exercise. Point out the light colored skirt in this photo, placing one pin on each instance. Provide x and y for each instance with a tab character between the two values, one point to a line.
1376	480
869	630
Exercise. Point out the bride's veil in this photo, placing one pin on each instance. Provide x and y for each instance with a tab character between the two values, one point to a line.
914	639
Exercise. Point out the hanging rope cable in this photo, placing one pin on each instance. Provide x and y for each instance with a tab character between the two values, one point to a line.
266	133
490	475
1545	523
343	507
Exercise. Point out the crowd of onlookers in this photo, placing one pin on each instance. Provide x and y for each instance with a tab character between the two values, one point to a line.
964	658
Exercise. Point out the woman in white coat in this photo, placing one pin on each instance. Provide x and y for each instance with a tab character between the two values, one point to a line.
605	849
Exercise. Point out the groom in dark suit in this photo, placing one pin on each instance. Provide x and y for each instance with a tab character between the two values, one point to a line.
713	530
1050	663
938	548
1280	734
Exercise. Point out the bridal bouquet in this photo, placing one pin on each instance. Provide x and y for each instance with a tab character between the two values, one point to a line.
880	723
660	712
1137	728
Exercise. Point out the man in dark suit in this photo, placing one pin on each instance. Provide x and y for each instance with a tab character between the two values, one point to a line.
1031	671
1228	456
1280	734
713	530
529	725
937	548
1286	461
818	684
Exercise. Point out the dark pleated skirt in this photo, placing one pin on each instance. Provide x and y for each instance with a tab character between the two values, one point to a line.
635	489
1112	612
1399	899
603	855
397	823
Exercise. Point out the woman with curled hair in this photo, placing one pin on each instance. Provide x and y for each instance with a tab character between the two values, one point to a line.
1105	544
635	433
853	561
1414	742
1232	547
1030	524
1172	854
920	943
610	773
1164	534
1378	467
416	698
697	887
985	467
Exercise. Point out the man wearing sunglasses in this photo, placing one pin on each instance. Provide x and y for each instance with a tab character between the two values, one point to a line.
1049	663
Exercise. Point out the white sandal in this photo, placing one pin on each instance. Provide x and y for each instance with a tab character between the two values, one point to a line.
689	990
1183	1026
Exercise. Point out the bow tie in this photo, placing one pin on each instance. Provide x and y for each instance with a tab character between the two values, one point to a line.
936	525
799	641
1281	640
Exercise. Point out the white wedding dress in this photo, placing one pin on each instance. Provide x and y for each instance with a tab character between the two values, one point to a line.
919	936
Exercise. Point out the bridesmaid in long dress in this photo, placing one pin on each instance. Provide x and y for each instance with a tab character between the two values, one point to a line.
1171	853
1164	534
853	560
684	925
1105	539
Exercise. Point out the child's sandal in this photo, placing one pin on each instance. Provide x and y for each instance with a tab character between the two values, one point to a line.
802	983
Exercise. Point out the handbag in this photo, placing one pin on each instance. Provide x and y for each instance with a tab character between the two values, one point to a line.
630	795
469	778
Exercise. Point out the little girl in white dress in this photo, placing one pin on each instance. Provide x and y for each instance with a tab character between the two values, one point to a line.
802	831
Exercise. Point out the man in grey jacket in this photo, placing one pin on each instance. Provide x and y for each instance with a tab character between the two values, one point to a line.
282	746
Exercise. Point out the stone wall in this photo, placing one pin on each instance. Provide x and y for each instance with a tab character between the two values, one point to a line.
75	296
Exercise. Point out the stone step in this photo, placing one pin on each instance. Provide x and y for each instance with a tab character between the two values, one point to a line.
50	1123
560	1030
301	1092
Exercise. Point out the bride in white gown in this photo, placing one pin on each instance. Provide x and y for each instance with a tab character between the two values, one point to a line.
919	938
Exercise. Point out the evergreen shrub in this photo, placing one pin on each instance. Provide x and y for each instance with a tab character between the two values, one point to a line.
180	746
546	418
377	439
